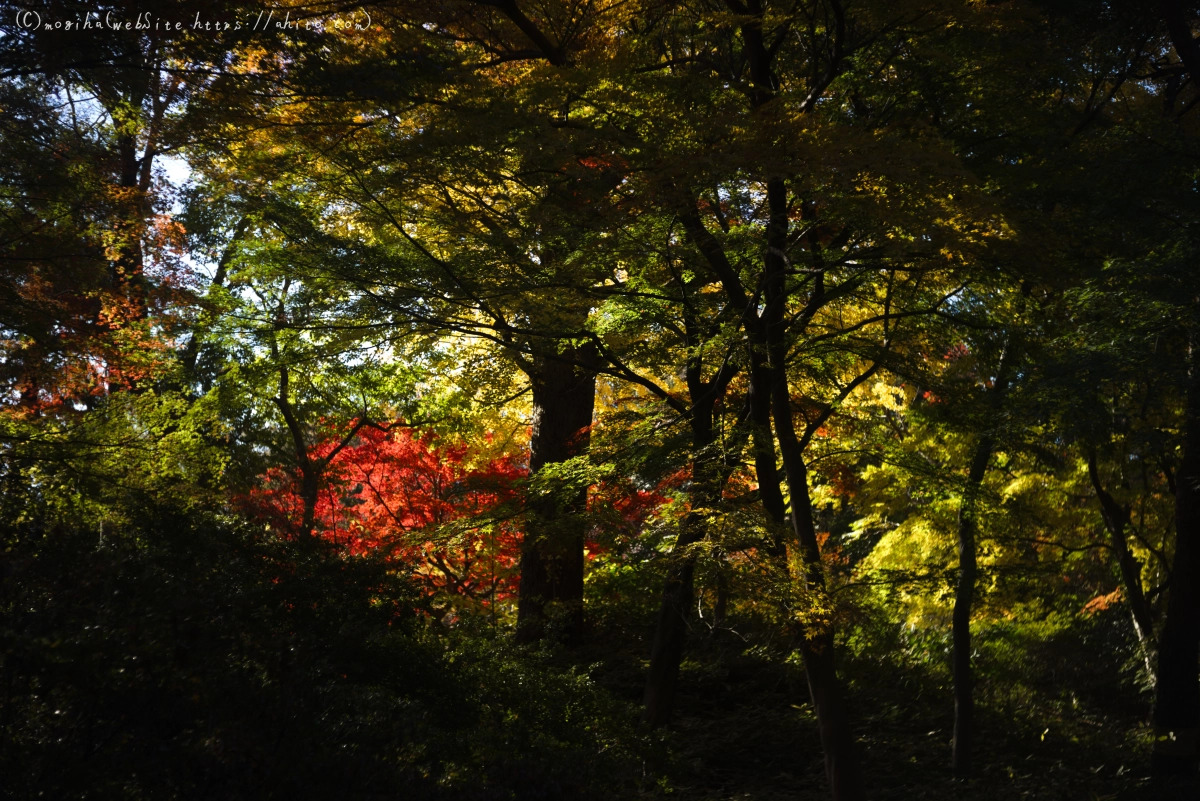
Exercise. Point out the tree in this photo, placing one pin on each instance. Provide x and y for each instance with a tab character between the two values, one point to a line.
814	334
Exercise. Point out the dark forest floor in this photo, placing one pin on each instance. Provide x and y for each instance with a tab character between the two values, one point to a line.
1067	721
133	672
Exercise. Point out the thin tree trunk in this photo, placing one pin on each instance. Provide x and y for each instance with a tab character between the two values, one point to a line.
551	587
128	267
964	596
721	604
310	487
1116	519
817	644
766	467
968	569
191	351
1177	697
310	469
709	475
670	630
767	336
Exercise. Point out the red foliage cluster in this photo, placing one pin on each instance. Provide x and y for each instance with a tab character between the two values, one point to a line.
621	510
635	505
457	527
421	502
630	507
957	352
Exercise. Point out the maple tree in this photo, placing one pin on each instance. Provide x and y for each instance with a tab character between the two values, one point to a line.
418	502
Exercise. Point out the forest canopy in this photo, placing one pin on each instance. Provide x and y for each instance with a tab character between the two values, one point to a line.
523	399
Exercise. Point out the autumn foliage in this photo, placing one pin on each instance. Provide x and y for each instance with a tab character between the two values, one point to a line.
455	525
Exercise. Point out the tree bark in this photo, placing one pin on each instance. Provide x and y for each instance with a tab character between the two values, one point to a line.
817	641
1116	519
766	468
709	474
964	597
769	389
670	631
135	176
1177	696
1180	30
310	469
968	569
550	594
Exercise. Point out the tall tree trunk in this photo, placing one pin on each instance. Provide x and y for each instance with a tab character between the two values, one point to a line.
127	265
310	468
968	569
670	630
1177	686
551	587
1177	697
817	642
709	474
310	487
136	175
191	352
964	597
721	604
766	468
1116	519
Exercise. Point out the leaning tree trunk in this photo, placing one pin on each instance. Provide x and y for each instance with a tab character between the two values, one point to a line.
1177	686
1116	520
1177	696
550	595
